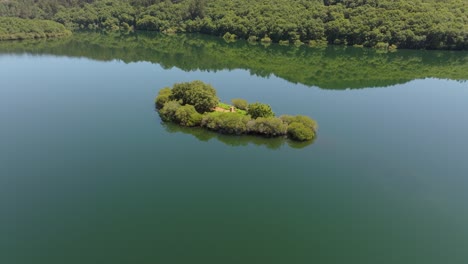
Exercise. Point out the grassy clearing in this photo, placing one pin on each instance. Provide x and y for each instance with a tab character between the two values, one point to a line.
228	107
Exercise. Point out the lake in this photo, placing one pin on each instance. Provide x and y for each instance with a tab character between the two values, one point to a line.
89	174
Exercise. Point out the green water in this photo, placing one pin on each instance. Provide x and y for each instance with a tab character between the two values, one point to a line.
89	174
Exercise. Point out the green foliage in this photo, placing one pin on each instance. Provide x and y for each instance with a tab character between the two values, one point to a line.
163	97
168	112
227	123
257	110
413	24
187	116
266	39
102	14
305	120
240	103
300	132
298	127
252	38
267	126
229	37
202	96
17	28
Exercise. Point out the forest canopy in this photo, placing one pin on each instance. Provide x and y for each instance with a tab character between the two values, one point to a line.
412	24
12	28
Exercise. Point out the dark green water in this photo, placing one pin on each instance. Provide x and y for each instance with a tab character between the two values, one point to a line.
88	174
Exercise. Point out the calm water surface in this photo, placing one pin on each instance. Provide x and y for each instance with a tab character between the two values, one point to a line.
89	174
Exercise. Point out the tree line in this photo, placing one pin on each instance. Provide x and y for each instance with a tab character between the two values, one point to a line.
384	24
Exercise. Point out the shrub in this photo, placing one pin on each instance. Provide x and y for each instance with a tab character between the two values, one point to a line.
257	110
266	39
168	112
269	126
287	119
381	45
201	95
299	131
240	103
252	39
228	123
187	116
305	120
229	37
163	97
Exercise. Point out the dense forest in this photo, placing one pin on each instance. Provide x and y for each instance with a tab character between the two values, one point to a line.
12	28
415	24
332	67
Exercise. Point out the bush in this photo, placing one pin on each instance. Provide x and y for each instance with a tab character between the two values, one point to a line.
305	120
381	45
228	123
229	37
252	39
266	39
299	131
201	95
257	110
163	97
240	103
287	119
168	112
187	116
269	126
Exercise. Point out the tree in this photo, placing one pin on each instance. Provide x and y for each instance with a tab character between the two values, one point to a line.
300	132
163	97
197	93
187	116
305	120
168	112
197	8
257	110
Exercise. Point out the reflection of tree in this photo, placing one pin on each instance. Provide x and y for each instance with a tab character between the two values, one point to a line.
330	68
231	140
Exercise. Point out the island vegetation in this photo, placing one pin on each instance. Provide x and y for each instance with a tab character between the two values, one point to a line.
383	24
195	104
12	28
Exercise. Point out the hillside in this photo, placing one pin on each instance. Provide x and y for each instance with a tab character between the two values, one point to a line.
411	24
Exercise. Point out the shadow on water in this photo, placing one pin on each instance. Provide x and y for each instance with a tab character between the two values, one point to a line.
232	140
332	67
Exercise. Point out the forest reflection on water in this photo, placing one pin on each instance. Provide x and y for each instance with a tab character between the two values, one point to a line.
332	67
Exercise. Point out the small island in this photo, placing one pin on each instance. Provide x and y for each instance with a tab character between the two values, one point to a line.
195	104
